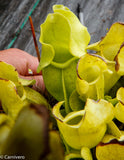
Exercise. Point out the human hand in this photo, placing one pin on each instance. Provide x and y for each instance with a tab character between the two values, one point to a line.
23	61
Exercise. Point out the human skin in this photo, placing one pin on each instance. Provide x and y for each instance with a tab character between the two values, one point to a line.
23	61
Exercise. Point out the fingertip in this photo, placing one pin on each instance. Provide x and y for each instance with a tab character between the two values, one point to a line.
39	85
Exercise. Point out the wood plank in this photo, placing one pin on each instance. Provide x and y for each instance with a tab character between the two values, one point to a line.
98	17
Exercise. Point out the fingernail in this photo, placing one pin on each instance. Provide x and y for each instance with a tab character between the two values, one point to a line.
30	71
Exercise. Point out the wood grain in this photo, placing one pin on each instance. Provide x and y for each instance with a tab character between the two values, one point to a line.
99	15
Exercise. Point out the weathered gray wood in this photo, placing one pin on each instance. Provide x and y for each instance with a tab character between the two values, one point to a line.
99	15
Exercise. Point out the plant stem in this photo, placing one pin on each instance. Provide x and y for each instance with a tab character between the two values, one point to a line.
86	154
113	129
34	38
100	87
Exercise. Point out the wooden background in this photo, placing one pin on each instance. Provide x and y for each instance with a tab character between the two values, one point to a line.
99	15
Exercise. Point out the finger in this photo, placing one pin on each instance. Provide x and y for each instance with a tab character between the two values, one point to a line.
21	60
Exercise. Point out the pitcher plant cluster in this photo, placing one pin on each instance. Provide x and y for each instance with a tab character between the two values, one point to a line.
87	87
